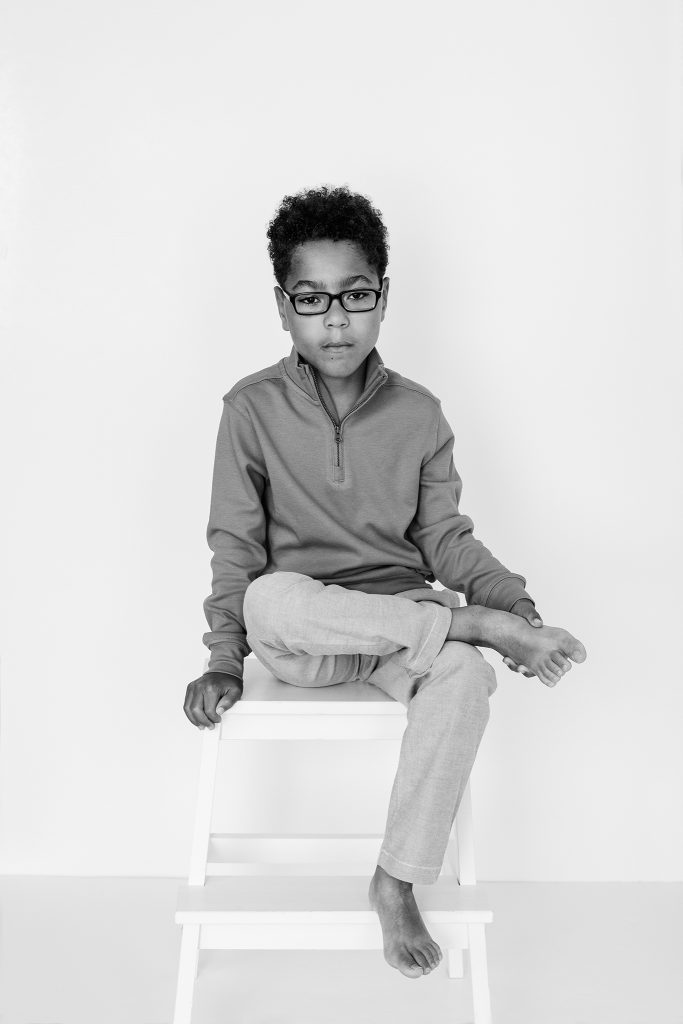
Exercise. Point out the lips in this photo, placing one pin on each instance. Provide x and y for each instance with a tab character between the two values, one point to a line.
343	344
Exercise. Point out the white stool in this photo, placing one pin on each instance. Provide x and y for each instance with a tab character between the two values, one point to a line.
249	891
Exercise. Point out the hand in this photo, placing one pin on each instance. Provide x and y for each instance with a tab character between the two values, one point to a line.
209	695
526	610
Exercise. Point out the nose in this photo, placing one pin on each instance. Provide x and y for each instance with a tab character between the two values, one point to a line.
336	310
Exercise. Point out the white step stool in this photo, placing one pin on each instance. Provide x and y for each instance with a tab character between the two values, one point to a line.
310	891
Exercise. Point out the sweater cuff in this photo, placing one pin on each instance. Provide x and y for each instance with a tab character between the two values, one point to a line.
225	667
226	657
506	592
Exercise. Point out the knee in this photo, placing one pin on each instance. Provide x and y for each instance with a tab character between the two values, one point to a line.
264	594
490	679
257	597
475	672
485	674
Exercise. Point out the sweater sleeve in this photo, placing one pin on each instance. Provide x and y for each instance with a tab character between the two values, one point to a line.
444	536
236	534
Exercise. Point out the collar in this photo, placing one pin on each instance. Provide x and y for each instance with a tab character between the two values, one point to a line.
300	372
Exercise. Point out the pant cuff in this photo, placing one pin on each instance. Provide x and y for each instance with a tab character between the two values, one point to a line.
424	659
407	872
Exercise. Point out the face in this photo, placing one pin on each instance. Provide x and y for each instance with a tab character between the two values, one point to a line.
330	266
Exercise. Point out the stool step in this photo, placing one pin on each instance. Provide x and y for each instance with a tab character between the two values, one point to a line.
318	900
295	854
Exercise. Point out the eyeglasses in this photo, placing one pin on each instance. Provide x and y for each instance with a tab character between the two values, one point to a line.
354	300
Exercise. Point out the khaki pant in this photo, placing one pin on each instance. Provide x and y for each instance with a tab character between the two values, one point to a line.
310	634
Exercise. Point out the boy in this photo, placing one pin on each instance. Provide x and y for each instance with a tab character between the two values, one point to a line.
334	504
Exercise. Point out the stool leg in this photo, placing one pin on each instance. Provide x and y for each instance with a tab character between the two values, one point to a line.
204	808
481	998
187	971
455	964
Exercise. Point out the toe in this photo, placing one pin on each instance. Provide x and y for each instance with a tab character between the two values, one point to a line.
436	954
562	663
431	956
410	968
551	675
421	959
577	652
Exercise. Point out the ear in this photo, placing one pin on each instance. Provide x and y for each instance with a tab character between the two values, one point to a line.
281	303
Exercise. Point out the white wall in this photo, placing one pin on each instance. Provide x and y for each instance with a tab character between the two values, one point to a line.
527	159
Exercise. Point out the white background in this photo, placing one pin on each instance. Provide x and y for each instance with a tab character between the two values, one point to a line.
527	160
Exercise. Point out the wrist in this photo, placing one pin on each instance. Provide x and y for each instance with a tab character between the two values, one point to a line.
222	672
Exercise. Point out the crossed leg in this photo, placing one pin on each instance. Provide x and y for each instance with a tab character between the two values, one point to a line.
310	634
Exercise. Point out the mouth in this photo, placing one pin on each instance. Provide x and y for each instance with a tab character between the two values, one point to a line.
335	346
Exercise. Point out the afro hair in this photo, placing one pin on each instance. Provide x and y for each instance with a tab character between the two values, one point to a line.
326	213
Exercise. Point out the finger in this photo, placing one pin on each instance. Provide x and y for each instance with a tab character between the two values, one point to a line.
231	692
227	700
199	716
513	665
211	696
212	717
189	707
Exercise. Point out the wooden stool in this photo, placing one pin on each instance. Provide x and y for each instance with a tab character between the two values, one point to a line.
249	891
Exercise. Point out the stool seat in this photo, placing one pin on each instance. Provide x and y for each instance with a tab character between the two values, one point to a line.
261	685
270	709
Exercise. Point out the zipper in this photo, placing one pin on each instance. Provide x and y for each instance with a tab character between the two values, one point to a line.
338	427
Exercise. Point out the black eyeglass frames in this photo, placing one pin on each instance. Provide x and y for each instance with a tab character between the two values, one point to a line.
354	300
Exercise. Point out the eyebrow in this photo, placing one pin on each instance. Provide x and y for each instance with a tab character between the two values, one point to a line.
321	284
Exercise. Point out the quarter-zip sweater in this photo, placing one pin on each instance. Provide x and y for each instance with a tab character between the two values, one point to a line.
370	503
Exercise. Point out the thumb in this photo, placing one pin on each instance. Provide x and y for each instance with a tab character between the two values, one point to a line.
226	702
535	619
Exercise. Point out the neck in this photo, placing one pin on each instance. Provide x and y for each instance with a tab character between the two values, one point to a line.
344	386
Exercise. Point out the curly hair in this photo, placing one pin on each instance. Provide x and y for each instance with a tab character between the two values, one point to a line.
326	213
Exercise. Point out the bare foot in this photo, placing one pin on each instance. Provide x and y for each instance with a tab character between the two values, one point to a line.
408	946
545	650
